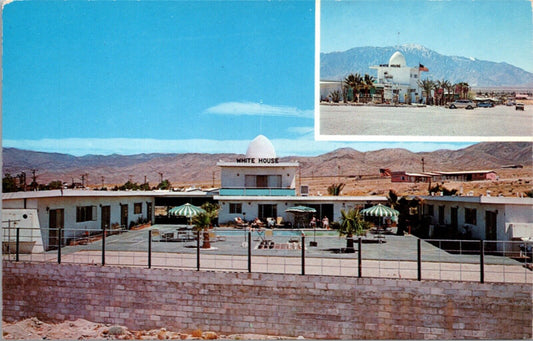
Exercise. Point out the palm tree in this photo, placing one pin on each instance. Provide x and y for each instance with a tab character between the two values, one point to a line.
352	223
463	88
437	87
427	85
392	198
354	81
368	83
335	96
204	220
445	84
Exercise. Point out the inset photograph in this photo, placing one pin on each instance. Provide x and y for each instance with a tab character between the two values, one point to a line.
430	71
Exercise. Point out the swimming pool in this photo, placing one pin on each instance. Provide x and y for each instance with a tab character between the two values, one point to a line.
276	233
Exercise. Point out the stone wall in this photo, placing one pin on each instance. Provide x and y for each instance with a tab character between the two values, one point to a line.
276	304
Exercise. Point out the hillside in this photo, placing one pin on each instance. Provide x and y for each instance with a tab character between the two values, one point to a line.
196	169
477	73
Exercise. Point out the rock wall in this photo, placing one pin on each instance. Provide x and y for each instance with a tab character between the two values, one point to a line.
310	306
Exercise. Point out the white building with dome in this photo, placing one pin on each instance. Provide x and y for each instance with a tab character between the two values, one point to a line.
259	185
399	82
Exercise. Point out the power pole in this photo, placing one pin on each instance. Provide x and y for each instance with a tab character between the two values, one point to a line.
161	177
102	178
422	165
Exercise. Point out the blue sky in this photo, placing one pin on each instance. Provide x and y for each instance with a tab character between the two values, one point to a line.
132	77
494	30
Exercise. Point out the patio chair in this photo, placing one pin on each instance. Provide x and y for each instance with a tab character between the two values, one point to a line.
280	222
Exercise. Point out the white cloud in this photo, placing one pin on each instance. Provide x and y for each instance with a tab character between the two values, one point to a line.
254	109
305	131
284	147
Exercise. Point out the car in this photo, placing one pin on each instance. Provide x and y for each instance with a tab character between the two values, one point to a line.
487	104
463	103
519	106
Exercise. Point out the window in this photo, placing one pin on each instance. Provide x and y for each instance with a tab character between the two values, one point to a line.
267	211
235	208
138	208
85	213
470	216
262	181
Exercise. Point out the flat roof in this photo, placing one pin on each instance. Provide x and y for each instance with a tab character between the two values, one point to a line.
92	193
328	198
481	200
257	165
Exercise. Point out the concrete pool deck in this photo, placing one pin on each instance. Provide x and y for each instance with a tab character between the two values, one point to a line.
396	257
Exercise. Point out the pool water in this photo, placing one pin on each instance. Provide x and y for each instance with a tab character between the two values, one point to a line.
276	233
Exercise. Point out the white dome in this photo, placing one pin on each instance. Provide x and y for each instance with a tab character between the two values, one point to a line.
397	59
260	147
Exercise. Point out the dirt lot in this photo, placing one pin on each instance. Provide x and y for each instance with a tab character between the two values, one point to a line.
34	329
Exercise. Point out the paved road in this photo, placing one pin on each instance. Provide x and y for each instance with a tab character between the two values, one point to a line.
435	123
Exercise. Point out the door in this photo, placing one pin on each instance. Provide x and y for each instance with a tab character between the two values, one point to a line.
149	211
106	217
454	215
56	221
491	233
124	216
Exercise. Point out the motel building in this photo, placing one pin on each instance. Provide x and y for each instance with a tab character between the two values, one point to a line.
399	82
74	211
259	185
437	176
483	218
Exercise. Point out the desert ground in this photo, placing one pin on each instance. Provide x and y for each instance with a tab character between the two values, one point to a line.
34	329
512	182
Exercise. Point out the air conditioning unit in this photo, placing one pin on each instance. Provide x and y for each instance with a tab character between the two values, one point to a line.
304	190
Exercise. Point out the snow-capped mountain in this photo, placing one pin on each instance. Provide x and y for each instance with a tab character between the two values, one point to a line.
480	73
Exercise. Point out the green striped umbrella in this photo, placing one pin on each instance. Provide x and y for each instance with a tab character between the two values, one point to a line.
186	210
380	211
300	209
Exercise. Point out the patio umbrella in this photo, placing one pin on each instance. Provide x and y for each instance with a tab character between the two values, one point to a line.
186	210
300	211
380	211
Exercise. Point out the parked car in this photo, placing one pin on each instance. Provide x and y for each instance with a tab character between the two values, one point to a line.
463	103
487	104
519	106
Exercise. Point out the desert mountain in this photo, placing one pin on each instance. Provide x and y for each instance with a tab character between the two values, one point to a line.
193	169
477	73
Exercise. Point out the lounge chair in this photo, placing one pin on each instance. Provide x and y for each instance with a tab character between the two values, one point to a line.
239	223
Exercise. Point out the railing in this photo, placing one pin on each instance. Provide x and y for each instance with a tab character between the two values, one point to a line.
257	191
287	252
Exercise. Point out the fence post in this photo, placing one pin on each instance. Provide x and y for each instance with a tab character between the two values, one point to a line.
104	232
17	245
59	246
198	250
149	249
482	261
419	259
249	251
303	254
360	259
